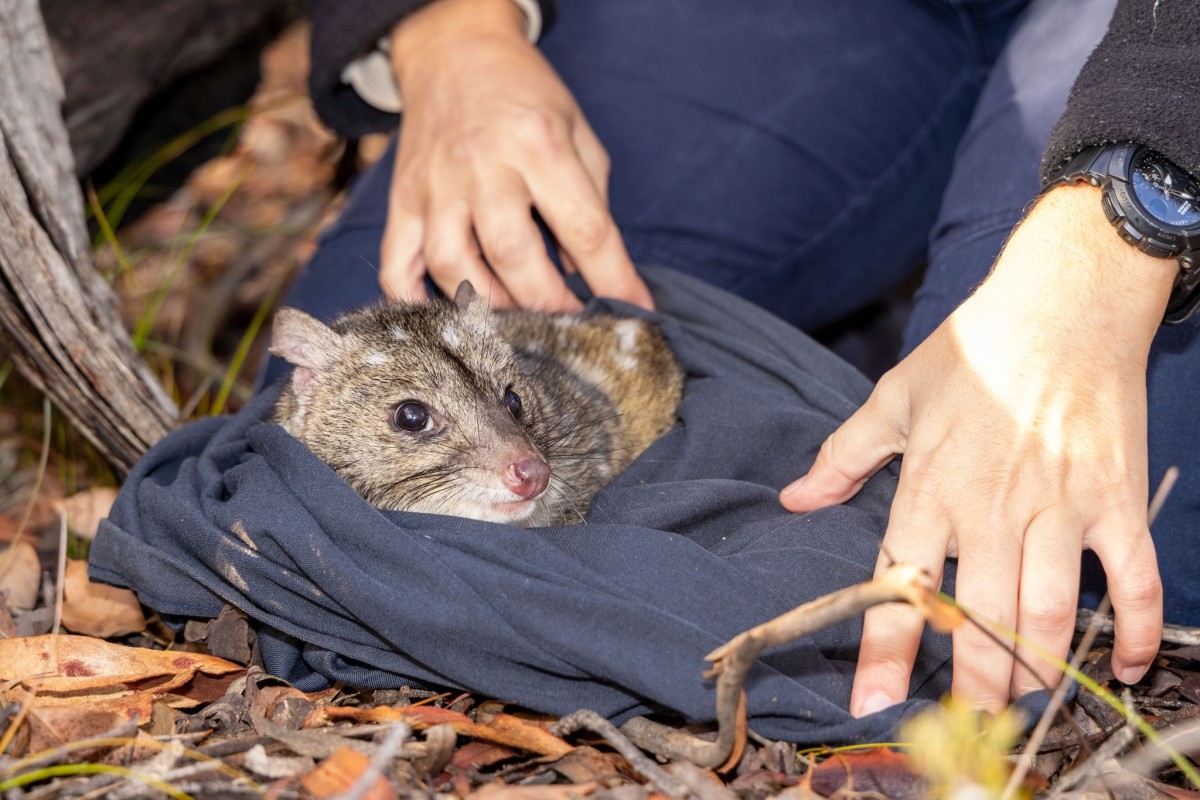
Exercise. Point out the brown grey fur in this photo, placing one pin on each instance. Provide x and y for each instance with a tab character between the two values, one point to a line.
596	391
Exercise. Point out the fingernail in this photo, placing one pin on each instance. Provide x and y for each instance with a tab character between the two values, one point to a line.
1131	675
794	486
876	701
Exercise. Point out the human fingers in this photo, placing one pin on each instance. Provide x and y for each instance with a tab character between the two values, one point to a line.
986	584
564	193
596	162
514	247
892	632
451	252
593	156
864	443
1122	542
401	263
1048	598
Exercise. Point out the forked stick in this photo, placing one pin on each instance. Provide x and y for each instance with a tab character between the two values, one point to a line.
733	660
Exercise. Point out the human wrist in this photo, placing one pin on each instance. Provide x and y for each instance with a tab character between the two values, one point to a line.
1070	254
441	26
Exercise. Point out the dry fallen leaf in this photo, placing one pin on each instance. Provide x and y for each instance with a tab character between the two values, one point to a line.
54	726
586	764
90	673
334	776
20	575
881	770
477	755
501	729
85	509
87	663
96	609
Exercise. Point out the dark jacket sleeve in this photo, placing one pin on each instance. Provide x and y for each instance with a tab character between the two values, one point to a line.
343	30
1141	84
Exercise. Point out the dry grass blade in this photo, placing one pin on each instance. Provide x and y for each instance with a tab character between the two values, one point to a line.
43	460
1029	754
379	762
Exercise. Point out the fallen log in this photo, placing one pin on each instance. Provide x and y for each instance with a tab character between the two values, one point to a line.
57	314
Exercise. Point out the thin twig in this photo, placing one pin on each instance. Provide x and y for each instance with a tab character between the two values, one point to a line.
61	589
1100	761
1026	759
587	720
382	758
734	659
1029	754
1172	634
1185	739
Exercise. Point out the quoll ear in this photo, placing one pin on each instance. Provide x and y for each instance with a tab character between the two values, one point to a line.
465	296
472	306
304	340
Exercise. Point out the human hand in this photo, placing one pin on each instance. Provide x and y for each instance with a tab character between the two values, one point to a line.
1022	421
490	132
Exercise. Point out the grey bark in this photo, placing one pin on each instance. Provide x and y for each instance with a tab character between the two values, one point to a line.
57	312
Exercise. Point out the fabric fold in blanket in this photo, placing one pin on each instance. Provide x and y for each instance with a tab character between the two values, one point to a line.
686	549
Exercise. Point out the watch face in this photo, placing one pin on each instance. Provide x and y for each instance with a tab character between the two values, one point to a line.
1167	192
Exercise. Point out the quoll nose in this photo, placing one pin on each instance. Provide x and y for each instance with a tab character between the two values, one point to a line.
527	478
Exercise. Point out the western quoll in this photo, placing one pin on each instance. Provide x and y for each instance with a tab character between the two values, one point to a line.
453	408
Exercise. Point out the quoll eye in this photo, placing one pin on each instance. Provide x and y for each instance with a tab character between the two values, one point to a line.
410	417
512	401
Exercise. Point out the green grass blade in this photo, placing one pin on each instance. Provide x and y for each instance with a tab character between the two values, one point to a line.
243	349
62	770
148	316
118	194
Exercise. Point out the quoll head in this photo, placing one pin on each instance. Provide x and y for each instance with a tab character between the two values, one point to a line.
419	407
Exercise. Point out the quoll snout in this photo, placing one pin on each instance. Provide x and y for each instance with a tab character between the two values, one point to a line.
528	477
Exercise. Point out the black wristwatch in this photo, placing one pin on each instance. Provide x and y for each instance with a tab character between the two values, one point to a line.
1153	204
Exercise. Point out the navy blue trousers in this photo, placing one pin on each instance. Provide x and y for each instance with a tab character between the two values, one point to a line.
810	156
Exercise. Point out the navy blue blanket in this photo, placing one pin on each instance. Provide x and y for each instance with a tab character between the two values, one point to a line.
683	551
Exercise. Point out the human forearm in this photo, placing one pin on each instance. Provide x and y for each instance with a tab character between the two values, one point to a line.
1069	261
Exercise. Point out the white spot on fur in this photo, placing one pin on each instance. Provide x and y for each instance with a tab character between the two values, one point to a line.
629	364
566	322
375	359
399	334
592	373
627	332
451	337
